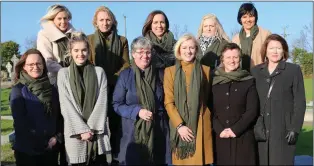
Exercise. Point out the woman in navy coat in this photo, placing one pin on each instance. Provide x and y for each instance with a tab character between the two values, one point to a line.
129	103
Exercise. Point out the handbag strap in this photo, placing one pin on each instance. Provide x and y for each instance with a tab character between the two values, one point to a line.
269	91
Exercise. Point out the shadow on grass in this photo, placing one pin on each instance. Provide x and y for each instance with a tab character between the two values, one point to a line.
305	142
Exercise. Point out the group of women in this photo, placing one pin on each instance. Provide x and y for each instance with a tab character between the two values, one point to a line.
193	101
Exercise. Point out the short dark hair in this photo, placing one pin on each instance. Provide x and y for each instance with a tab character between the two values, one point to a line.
149	20
229	46
275	37
247	8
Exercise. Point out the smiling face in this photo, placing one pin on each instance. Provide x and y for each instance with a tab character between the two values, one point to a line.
231	60
79	52
34	66
209	28
274	51
104	21
248	21
188	50
159	25
61	21
142	57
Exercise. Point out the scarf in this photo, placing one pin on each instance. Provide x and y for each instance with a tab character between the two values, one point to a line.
206	42
145	89
40	87
62	51
188	108
162	49
221	77
107	55
246	46
84	88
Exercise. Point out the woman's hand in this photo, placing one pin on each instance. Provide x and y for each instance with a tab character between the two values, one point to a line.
87	136
52	142
186	134
145	115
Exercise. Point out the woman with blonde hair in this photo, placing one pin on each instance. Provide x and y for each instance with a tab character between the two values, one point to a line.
52	39
212	38
111	52
186	88
83	100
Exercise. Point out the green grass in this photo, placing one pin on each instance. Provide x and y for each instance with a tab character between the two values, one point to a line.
7	154
308	84
305	141
5	104
6	126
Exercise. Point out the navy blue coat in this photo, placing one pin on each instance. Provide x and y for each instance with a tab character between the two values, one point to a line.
126	104
33	128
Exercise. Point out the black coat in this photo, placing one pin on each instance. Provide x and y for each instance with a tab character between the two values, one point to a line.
236	106
283	112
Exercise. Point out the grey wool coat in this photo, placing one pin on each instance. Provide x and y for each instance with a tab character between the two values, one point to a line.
284	111
74	125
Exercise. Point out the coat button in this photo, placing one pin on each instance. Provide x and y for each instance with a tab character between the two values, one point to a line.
227	107
236	90
267	131
268	80
227	93
267	114
227	121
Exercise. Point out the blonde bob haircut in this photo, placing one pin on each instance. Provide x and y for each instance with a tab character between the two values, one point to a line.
221	34
182	39
53	10
109	12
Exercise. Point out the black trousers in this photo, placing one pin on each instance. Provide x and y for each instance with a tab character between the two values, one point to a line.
48	159
99	161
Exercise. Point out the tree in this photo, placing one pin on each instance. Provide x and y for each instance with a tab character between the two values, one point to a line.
304	59
233	32
30	42
8	49
177	32
305	39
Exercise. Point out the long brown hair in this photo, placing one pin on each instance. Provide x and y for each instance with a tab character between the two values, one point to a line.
149	20
19	66
275	37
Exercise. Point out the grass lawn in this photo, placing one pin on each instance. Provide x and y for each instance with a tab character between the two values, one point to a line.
308	89
7	154
5	104
6	126
305	141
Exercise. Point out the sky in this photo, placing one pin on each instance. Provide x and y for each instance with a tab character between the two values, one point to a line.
20	20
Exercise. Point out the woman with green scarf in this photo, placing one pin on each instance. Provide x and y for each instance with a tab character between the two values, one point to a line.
212	39
111	52
83	99
36	113
187	88
138	98
235	110
156	29
251	37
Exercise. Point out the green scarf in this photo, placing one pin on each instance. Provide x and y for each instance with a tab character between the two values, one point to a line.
62	51
145	89
221	77
188	106
165	44
84	88
246	46
212	54
40	87
108	55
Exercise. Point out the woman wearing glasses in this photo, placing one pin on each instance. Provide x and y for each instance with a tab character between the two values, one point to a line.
138	99
36	112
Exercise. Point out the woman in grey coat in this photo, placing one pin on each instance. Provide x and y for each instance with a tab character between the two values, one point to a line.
284	110
83	100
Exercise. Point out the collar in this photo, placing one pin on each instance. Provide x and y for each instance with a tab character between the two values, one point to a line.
53	33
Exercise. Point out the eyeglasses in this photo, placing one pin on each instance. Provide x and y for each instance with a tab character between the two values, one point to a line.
148	53
32	65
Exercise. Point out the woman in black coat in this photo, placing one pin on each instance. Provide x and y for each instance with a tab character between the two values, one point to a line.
235	111
284	111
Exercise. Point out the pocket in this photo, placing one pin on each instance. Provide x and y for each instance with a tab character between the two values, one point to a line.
259	130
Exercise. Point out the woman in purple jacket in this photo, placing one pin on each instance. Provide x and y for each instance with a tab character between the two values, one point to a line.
36	112
138	99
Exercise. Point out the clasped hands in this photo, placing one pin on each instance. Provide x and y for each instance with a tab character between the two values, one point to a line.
88	136
227	133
